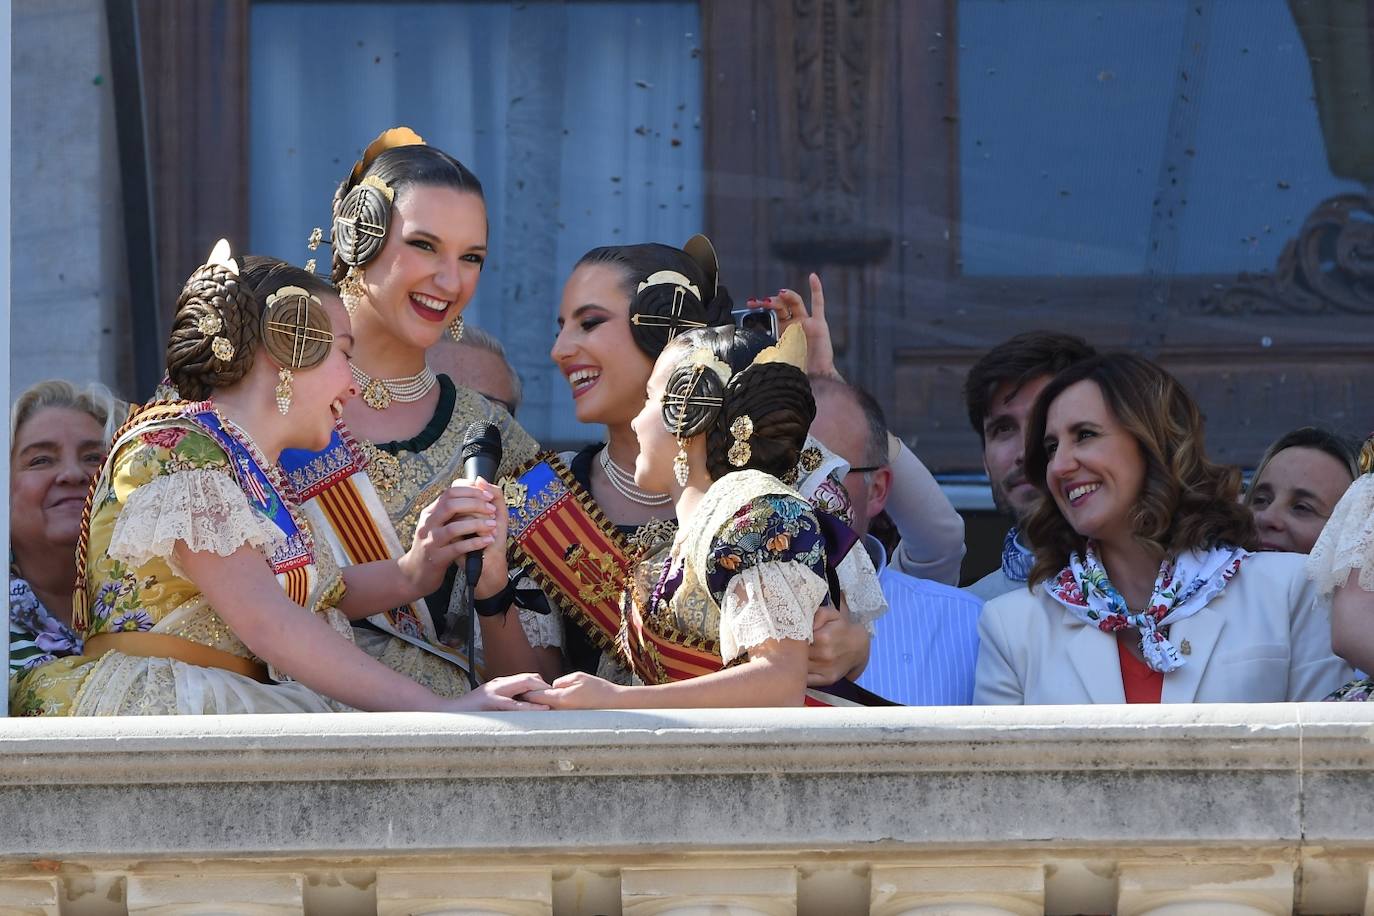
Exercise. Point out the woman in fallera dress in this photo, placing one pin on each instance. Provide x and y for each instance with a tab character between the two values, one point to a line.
409	238
200	586
724	618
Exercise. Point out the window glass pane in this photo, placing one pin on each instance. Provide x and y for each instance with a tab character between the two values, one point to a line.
582	120
1120	137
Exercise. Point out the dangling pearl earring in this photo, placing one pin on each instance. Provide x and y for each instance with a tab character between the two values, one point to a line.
680	466
455	329
283	390
351	289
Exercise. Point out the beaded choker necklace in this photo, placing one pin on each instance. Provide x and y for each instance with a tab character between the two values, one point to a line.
623	482
379	393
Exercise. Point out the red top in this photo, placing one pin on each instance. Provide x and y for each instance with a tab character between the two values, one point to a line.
1141	683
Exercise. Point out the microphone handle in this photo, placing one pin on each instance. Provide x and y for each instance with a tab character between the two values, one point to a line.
482	466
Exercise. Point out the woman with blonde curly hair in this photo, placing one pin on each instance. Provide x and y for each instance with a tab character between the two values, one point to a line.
1145	588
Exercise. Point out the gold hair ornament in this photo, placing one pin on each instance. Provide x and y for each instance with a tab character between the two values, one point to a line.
674	321
790	349
681	468
212	323
387	139
295	328
740	451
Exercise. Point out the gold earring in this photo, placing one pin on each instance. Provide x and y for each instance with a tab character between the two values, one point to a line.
741	429
455	329
680	467
283	390
351	289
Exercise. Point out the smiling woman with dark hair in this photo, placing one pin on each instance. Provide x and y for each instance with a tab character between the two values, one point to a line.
1145	588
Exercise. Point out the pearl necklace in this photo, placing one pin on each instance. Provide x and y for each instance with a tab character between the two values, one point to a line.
623	482
379	393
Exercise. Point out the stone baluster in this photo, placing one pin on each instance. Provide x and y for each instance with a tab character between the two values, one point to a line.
31	895
957	891
1220	889
239	895
488	892
708	891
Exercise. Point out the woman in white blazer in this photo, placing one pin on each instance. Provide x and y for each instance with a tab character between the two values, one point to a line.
1144	587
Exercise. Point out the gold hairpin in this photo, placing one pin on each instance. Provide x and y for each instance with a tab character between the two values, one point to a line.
669	276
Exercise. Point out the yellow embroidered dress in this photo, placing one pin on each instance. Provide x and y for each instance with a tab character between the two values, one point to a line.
181	473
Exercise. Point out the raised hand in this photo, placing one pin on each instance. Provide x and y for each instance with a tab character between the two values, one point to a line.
790	309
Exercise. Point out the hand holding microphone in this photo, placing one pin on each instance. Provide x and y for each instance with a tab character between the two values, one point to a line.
466	520
481	458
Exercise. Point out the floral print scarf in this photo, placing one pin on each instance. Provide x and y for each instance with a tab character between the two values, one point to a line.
36	637
1184	586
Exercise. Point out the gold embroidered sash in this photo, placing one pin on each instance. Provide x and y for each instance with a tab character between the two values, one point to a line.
566	544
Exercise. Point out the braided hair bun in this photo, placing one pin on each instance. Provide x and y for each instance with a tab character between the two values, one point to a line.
776	396
217	329
216	318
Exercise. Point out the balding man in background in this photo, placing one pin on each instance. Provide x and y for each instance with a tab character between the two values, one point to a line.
478	361
925	647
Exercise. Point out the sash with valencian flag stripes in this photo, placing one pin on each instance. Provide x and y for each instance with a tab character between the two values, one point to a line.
339	499
292	559
564	542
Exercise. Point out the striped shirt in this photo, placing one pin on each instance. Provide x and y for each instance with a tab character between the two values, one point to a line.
926	646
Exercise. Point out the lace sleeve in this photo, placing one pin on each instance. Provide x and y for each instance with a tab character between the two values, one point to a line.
1347	541
202	507
863	592
544	631
769	601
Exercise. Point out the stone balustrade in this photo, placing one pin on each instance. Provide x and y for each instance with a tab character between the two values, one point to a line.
1133	810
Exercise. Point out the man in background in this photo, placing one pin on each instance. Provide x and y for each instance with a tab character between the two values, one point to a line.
925	647
478	361
1000	390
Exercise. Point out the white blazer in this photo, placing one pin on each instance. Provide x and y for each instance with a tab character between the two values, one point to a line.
1266	638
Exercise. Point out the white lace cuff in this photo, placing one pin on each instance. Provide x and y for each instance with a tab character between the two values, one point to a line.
1347	541
862	590
202	507
542	630
769	601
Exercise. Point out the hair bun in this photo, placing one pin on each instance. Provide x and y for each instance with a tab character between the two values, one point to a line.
692	400
361	220
214	332
777	398
660	312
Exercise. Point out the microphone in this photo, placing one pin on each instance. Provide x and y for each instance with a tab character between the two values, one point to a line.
481	457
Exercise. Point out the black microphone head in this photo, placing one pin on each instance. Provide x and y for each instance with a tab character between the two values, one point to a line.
482	439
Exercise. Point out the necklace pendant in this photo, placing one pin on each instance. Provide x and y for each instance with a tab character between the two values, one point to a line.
376	395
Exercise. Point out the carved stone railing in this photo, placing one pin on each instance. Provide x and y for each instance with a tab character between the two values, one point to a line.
1133	810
